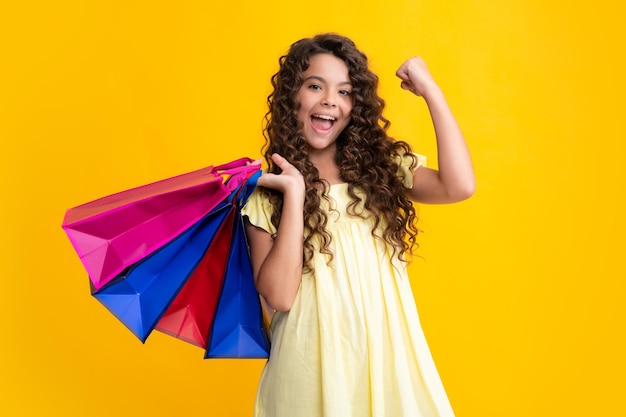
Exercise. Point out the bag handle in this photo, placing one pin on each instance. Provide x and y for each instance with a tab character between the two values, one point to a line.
238	178
237	163
234	168
242	185
238	171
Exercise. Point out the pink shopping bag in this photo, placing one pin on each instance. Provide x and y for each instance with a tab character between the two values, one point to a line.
114	232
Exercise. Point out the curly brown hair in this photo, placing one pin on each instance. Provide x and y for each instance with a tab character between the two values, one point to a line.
367	156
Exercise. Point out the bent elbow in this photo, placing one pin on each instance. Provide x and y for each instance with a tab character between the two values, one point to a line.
283	304
281	298
283	307
468	190
462	191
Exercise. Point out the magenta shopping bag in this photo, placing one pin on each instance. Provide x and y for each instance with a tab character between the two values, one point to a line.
114	232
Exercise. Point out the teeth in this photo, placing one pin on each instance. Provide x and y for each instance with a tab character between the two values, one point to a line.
323	116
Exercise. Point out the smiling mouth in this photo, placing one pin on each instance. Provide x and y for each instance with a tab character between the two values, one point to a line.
322	121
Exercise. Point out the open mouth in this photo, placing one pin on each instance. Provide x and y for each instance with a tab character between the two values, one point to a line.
322	121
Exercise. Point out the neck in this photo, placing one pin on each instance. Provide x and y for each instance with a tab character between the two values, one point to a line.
327	168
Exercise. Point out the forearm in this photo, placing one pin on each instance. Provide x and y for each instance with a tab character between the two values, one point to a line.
279	276
455	171
454	179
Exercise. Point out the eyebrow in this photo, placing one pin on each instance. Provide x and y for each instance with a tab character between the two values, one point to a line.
316	77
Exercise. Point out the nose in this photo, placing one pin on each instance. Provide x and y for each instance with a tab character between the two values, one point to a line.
329	100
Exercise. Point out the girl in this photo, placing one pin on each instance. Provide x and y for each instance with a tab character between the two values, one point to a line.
328	228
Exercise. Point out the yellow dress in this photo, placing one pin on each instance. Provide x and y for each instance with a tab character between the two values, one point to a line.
352	344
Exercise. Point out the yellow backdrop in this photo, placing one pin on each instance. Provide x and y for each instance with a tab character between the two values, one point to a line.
520	289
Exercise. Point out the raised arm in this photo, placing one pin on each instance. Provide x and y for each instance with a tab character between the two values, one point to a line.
277	262
454	180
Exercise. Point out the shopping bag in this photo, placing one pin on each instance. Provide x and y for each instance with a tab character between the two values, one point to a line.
139	296
238	329
223	276
190	316
111	233
178	289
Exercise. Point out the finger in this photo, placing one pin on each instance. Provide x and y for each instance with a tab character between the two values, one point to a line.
402	73
265	180
281	162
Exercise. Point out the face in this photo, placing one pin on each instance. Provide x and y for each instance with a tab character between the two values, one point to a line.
325	102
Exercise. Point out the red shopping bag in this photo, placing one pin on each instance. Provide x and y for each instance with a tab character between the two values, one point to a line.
114	232
191	314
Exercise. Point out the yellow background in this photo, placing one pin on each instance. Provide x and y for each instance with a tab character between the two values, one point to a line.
520	289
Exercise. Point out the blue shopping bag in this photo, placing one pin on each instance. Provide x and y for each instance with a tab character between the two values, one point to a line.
238	329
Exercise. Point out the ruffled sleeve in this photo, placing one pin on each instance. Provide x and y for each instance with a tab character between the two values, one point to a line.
259	211
404	167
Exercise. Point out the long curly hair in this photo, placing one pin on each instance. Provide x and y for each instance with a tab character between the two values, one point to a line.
367	156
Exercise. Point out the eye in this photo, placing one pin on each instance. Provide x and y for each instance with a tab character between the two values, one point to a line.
345	92
314	87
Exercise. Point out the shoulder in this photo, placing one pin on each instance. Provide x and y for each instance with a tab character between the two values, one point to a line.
407	162
258	209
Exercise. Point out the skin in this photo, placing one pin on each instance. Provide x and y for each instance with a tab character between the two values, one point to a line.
277	263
